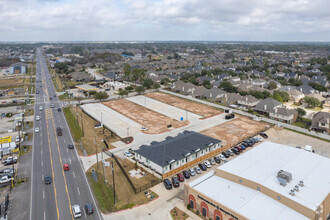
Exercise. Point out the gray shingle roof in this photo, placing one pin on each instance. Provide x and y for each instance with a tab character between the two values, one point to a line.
270	104
175	148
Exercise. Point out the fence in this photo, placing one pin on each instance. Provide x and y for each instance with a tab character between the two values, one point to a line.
135	189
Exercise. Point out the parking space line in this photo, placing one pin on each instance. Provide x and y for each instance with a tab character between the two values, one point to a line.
44	215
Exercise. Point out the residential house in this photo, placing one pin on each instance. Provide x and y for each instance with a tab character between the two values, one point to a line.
248	101
174	154
182	87
295	95
275	110
321	122
306	89
320	80
214	94
80	77
17	68
201	79
111	76
199	92
230	98
259	82
318	97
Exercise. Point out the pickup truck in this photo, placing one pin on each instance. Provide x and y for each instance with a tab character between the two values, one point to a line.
5	179
10	160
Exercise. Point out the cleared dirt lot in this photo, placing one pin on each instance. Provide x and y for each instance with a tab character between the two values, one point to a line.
290	138
194	107
155	122
11	82
235	130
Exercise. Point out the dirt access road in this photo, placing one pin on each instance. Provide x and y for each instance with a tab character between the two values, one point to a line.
154	121
194	107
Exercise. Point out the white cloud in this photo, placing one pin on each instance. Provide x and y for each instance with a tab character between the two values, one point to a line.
165	20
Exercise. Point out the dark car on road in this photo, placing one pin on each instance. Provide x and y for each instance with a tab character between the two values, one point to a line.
180	177
48	180
202	166
175	181
71	146
167	184
89	209
186	174
59	109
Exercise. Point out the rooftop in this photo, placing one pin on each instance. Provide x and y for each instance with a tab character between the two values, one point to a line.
242	199
269	158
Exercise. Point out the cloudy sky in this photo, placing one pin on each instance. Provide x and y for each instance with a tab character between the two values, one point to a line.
125	20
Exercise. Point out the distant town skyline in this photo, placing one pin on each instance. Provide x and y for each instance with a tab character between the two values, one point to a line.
165	20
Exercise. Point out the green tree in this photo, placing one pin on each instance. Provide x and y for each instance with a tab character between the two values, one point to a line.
318	87
101	95
129	88
140	89
165	81
272	85
127	72
277	97
156	86
301	112
147	83
207	84
123	92
228	87
312	102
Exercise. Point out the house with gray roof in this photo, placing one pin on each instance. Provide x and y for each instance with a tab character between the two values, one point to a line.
306	89
170	155
275	110
214	94
248	101
321	122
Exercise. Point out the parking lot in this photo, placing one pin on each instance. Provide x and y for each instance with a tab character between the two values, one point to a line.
294	139
194	107
235	130
154	121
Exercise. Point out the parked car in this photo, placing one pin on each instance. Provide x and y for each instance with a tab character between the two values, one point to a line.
212	161
264	135
175	181
259	139
230	152
217	159
192	172
48	180
202	166
41	108
5	179
89	209
197	170
144	129
180	177
242	146
222	157
207	164
128	154
76	211
167	184
237	152
52	105
186	174
239	148
225	154
8	170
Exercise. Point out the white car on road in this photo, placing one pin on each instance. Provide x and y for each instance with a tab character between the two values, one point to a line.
41	108
36	129
37	118
76	211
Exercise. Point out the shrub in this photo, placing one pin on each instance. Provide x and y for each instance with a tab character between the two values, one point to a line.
188	206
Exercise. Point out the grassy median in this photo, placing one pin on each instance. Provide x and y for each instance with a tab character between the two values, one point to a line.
73	124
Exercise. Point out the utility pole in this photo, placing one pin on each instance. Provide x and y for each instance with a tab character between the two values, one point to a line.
97	159
103	167
113	184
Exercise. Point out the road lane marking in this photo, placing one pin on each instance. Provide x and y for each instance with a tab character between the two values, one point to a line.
59	153
74	176
42	163
70	160
64	139
42	177
43	194
78	190
41	151
51	162
67	150
44	215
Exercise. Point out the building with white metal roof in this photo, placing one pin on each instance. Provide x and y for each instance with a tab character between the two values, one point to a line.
249	186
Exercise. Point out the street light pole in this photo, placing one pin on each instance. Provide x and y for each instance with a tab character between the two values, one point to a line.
113	184
82	125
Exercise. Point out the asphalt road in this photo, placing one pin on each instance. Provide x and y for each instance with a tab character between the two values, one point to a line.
50	153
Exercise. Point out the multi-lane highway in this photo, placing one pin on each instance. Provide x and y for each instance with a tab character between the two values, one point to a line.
50	153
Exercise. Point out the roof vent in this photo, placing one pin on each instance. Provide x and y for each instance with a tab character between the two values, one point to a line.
292	192
301	183
284	177
296	188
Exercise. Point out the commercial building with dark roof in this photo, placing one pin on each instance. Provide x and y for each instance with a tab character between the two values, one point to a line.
176	153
